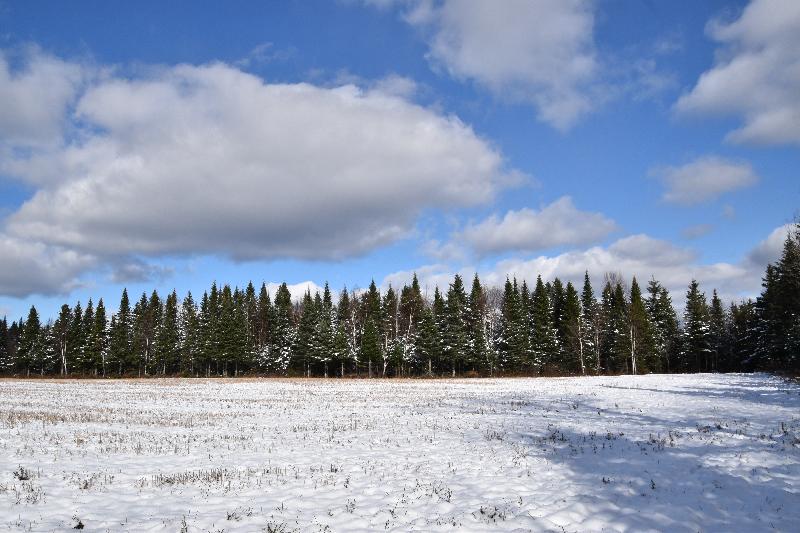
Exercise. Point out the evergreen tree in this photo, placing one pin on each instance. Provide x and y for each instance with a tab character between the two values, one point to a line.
455	338
61	335
168	338
98	348
75	335
718	334
30	350
429	340
5	358
557	296
479	354
283	332
591	323
640	337
696	330
189	334
121	336
571	332
543	334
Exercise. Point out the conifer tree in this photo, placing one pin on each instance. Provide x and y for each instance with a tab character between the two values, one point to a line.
557	296
572	332
168	337
121	335
640	337
5	359
75	340
61	335
283	332
189	334
718	333
478	354
31	347
543	334
98	349
696	330
591	322
455	339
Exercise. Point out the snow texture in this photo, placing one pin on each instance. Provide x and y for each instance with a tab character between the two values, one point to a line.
670	453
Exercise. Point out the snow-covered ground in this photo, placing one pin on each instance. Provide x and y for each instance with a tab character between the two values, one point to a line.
670	453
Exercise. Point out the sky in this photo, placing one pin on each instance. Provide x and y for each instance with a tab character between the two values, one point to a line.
170	144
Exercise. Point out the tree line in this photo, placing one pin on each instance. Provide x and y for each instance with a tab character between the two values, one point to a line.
551	328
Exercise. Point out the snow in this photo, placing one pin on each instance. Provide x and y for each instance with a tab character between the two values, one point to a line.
677	453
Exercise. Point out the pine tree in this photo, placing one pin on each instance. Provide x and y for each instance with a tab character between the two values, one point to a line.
572	334
87	362
479	353
120	348
5	358
718	334
696	330
390	351
168	338
591	323
75	340
98	349
557	296
61	335
30	348
189	334
455	338
543	334
283	332
640	337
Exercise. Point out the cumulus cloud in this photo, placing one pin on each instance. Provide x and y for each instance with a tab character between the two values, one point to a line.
529	230
705	178
35	96
30	268
212	160
535	51
639	255
298	290
757	73
769	250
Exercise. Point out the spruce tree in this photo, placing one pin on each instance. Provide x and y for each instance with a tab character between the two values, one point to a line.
543	335
168	337
478	353
189	334
120	348
640	337
696	330
718	334
572	334
29	353
591	323
455	338
5	359
283	332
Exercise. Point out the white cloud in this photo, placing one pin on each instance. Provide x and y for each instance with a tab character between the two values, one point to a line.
33	268
298	290
210	159
635	255
528	230
535	51
756	75
769	250
704	179
35	97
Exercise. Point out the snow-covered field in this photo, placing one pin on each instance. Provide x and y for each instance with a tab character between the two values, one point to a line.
670	453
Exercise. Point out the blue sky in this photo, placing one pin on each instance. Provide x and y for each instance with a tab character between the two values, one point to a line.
167	145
